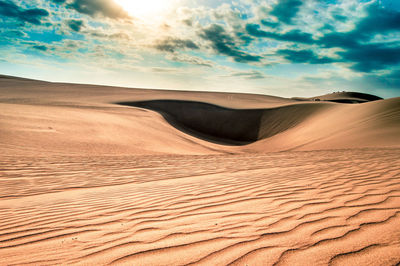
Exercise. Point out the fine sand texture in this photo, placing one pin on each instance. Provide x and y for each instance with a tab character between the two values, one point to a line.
96	175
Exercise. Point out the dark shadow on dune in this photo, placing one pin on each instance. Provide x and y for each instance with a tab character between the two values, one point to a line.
206	121
349	97
343	97
347	101
224	125
363	96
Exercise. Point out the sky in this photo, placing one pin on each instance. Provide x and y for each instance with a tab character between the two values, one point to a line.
275	47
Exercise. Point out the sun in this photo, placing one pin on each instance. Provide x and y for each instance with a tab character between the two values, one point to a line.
146	10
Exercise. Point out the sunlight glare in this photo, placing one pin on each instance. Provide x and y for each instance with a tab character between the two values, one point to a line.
146	10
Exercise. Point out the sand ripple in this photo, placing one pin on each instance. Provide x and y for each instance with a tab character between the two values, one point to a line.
291	208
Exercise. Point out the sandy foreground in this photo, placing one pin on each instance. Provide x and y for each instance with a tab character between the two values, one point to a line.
86	180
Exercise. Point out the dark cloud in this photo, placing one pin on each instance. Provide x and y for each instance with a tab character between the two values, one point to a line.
42	48
395	75
303	56
14	34
337	15
369	58
11	37
171	45
75	24
387	81
377	21
338	39
244	38
269	23
188	22
286	10
327	28
23	15
291	36
105	8
225	44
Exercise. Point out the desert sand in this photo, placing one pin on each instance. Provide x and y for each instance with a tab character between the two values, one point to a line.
95	175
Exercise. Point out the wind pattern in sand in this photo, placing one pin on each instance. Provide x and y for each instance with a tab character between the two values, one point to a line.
303	208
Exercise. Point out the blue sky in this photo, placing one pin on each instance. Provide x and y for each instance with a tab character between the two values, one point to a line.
276	47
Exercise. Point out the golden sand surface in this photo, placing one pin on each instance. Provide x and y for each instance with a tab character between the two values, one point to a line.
87	180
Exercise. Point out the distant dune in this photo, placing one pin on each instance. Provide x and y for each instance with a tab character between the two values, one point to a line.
96	175
343	97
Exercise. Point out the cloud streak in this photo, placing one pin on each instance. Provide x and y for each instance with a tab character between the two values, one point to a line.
173	44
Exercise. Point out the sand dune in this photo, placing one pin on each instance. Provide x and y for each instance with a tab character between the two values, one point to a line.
82	119
176	178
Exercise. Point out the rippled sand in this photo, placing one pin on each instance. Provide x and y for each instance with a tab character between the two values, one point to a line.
302	208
